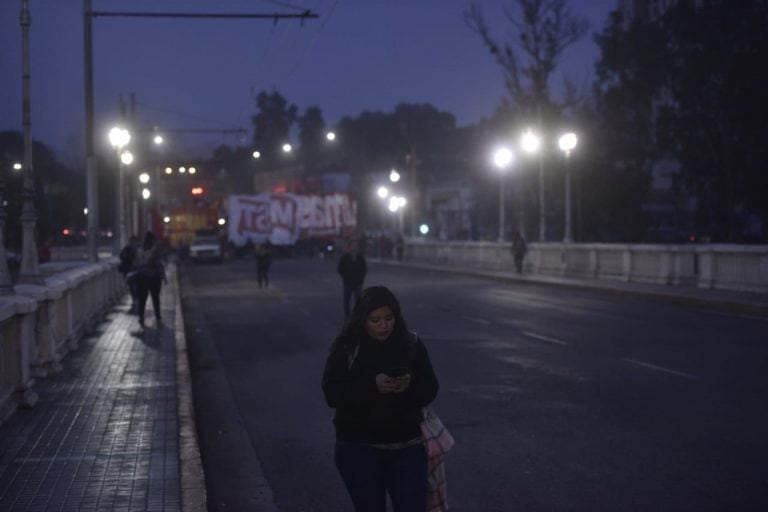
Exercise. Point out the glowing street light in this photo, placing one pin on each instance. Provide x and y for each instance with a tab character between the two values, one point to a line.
531	143
567	143
119	138
502	158
287	148
256	154
382	192
16	166
146	194
144	178
158	140
394	176
330	136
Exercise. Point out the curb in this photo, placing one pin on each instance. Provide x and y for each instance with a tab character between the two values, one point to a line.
193	494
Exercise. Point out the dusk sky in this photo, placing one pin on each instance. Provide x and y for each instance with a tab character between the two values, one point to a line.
204	73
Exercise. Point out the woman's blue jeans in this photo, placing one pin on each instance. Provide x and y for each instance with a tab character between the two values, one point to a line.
370	473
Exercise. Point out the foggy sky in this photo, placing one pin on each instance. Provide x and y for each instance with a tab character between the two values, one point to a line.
191	74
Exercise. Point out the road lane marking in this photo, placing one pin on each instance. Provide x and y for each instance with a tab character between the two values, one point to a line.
545	338
476	320
661	369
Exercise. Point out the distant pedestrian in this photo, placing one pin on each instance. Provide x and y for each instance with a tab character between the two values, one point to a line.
263	262
519	248
378	377
352	269
150	274
127	268
399	246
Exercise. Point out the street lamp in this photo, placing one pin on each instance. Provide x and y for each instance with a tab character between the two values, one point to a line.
330	136
119	138
567	143
531	144
144	179
394	176
502	158
396	205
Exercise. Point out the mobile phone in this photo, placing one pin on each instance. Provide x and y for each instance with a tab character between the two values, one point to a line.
397	371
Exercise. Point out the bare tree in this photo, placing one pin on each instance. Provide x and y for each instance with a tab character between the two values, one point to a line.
543	29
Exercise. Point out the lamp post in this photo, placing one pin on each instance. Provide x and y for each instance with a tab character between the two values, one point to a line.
144	179
502	157
567	143
29	273
119	138
396	205
531	143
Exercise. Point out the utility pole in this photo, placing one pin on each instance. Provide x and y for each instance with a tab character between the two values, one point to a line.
30	268
90	159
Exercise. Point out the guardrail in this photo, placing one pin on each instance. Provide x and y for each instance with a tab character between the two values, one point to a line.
40	324
717	266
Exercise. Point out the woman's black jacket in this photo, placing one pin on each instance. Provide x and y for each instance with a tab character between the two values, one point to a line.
363	414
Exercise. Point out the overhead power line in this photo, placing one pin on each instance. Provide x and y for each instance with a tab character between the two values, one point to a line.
273	16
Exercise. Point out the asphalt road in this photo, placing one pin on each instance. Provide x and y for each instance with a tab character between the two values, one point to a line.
559	399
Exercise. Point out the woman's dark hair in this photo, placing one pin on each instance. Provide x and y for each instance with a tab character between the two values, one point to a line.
149	241
372	298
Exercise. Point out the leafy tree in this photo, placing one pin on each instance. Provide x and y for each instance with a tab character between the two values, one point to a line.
623	120
716	119
312	138
544	30
59	191
689	86
272	124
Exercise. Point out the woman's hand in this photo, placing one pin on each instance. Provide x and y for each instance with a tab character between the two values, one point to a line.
386	384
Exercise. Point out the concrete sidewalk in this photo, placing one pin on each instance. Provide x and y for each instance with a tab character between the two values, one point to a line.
114	429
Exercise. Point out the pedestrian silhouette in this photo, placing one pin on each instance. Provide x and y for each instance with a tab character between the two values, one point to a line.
519	248
352	269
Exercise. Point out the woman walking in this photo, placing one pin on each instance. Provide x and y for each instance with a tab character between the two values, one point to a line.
378	377
150	274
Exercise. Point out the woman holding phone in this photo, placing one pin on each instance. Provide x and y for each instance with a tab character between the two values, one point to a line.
378	377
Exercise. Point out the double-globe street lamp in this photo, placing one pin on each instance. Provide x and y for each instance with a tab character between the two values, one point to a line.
119	138
531	143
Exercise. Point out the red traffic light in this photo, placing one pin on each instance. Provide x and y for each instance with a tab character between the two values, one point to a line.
197	191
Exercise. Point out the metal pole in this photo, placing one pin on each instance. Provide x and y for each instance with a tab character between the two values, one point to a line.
521	206
6	284
91	178
29	273
122	234
414	192
501	208
542	206
568	235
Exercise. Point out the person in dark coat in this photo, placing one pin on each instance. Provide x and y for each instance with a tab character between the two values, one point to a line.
378	377
519	248
352	269
150	274
128	256
263	262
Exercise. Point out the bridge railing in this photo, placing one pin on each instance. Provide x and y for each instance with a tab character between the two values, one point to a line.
41	323
716	266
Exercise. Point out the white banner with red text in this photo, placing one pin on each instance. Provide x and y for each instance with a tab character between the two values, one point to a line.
285	218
